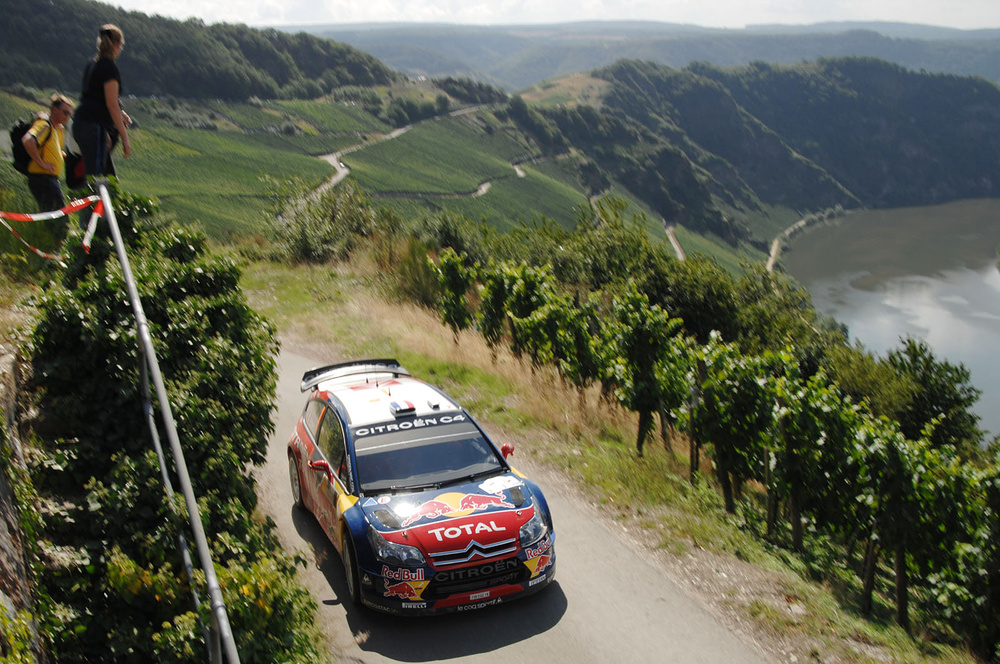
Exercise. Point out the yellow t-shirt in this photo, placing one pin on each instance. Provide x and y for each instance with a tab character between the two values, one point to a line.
51	151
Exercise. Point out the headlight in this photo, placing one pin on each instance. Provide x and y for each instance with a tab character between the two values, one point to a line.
392	553
534	530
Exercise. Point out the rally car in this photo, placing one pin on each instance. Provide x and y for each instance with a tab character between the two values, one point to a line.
426	513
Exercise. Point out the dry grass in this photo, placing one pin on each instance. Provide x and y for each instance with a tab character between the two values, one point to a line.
579	88
16	312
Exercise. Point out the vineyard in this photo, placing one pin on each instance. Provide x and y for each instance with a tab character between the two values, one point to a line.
213	178
509	201
786	437
898	500
210	162
448	156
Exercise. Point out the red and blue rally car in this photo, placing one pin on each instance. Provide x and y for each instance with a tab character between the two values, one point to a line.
423	507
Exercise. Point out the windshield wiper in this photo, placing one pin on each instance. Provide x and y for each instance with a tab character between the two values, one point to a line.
396	488
465	479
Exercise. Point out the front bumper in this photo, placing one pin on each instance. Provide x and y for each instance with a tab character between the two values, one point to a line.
468	589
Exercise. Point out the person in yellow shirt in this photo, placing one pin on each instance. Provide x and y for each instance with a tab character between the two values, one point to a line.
45	143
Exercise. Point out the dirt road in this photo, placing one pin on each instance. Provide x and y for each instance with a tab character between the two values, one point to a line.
608	604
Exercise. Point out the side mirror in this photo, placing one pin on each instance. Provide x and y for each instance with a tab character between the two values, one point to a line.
321	465
506	450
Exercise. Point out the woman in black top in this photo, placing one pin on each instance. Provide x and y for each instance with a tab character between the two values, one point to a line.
100	120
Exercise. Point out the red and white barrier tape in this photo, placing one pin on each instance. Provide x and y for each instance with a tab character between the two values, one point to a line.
74	206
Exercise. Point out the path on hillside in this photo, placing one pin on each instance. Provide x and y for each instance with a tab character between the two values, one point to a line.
342	171
776	244
674	242
609	603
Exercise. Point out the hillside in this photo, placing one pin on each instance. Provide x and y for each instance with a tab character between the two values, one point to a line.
516	57
717	150
735	154
727	152
181	58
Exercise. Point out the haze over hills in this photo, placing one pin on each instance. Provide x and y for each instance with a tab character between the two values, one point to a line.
517	56
887	28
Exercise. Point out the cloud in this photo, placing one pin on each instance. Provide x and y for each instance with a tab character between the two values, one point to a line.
716	13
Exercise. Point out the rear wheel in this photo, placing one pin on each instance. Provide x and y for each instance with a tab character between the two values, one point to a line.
351	569
295	480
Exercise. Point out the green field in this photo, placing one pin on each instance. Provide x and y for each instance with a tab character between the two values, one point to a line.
212	178
214	174
509	201
333	117
447	156
215	179
729	258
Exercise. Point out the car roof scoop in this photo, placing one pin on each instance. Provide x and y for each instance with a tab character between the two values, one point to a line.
400	408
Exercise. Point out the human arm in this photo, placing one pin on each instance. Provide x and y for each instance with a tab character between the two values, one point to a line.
111	89
30	143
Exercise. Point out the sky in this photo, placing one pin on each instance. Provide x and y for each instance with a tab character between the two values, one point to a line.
964	14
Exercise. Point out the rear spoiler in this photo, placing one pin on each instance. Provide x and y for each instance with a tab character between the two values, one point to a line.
314	377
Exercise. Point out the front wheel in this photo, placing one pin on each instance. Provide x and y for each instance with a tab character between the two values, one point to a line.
351	570
295	480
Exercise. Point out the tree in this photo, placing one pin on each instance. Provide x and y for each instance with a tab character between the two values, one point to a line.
638	337
968	591
867	379
455	281
734	414
497	281
562	332
944	398
311	230
815	424
772	312
530	289
616	249
697	290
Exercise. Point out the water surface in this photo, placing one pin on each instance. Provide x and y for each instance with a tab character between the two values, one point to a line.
928	272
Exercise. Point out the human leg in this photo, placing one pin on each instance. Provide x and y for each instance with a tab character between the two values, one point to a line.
47	191
92	139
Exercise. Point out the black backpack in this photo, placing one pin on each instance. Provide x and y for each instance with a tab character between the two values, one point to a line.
21	156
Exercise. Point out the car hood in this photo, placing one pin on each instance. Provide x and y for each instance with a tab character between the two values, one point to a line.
457	524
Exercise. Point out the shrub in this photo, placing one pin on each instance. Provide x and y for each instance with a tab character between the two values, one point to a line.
123	592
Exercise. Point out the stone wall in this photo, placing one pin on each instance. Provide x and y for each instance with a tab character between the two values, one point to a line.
15	586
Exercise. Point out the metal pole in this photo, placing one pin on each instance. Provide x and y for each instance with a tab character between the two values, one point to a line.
165	476
219	615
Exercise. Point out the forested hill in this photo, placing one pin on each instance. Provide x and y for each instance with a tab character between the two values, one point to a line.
46	44
891	136
713	148
517	56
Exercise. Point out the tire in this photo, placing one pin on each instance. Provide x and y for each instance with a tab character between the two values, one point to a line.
295	480
351	570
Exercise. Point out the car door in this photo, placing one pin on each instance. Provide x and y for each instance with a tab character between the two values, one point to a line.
306	450
331	489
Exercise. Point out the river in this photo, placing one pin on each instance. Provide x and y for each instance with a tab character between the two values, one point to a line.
928	272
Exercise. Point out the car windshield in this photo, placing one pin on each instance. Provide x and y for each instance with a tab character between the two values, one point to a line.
411	458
